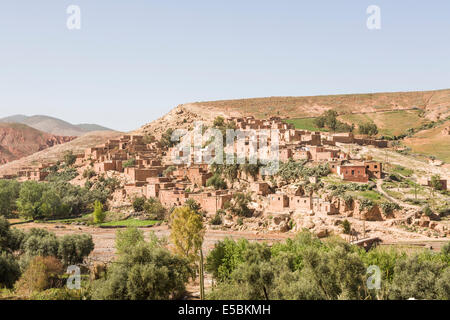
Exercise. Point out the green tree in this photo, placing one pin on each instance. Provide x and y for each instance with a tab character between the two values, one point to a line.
436	182
30	199
144	272
127	239
69	158
99	215
138	204
9	192
239	204
155	209
9	270
217	182
187	232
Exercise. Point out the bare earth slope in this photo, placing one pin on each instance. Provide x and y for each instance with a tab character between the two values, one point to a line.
55	153
435	141
435	105
19	140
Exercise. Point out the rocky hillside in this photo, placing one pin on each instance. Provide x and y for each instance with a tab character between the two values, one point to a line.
19	140
434	104
56	152
53	125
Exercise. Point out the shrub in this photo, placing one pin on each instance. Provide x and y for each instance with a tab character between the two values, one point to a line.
239	204
217	182
9	270
368	128
145	273
69	158
72	249
217	219
127	239
427	211
389	207
155	209
138	204
169	170
129	163
42	273
346	226
88	173
99	215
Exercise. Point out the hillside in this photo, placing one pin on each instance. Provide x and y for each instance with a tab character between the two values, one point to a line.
435	104
55	153
53	125
385	109
19	140
435	142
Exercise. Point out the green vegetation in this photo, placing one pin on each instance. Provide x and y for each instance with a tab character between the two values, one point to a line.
9	192
129	223
18	252
403	171
306	124
143	271
239	205
329	120
346	226
98	215
166	139
368	128
390	123
217	182
129	163
69	158
292	171
307	268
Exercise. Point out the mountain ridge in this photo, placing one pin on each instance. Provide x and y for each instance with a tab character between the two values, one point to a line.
53	125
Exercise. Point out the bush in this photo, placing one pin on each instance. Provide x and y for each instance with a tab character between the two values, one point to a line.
217	219
129	163
69	158
346	226
368	128
42	273
389	207
138	204
99	215
88	173
155	209
127	239
9	270
239	204
145	273
217	182
72	249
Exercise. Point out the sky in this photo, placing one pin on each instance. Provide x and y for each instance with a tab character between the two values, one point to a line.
133	61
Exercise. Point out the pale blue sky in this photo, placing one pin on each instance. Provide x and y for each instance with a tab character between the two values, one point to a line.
146	57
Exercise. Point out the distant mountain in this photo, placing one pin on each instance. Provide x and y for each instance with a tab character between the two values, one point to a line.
51	155
18	140
53	125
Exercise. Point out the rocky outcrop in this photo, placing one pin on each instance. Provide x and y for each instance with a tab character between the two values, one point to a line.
19	140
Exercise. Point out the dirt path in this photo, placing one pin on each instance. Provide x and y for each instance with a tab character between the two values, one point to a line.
399	202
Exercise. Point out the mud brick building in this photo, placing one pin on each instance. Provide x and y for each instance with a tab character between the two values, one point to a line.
355	172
